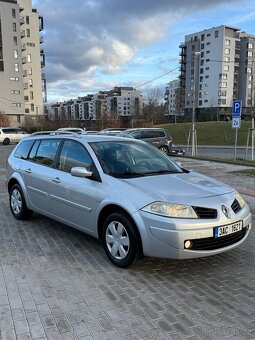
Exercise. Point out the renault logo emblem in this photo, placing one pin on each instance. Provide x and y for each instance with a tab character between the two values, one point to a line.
224	210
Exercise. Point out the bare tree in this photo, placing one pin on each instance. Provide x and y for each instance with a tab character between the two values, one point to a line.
4	120
153	109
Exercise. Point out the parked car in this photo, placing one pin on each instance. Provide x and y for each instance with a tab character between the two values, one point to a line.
128	194
160	138
11	135
177	151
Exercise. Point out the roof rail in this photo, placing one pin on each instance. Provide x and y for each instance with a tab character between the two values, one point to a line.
53	133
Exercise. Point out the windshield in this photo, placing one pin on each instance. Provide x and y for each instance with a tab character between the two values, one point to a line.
132	159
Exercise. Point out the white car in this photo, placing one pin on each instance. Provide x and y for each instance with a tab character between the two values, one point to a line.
11	135
72	129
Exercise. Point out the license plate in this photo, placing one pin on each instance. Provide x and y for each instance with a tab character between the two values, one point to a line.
228	229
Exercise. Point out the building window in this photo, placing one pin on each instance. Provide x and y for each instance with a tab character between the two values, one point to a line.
15	92
30	71
27	20
31	82
207	68
29	58
222	101
227	59
14	79
207	77
208	34
18	118
16	67
32	107
249	54
223	76
202	54
193	47
222	84
13	12
15	41
16	104
208	43
202	37
14	27
227	42
15	54
192	63
250	45
201	70
201	79
226	67
201	62
227	50
31	95
222	93
207	60
202	46
28	32
248	70
200	102
1	65
192	71
208	51
216	34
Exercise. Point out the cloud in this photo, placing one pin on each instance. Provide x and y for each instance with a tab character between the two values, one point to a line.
84	38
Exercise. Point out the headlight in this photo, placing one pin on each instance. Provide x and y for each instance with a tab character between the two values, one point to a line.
240	200
170	210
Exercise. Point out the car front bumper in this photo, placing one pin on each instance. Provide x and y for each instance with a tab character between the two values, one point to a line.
165	237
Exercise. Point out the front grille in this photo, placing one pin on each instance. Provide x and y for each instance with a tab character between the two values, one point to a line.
211	243
236	206
205	212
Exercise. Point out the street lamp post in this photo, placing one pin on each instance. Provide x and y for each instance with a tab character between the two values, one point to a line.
193	132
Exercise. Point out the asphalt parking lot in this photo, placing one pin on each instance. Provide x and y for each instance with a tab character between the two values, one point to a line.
56	283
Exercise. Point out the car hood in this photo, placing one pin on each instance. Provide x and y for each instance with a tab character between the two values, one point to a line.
179	188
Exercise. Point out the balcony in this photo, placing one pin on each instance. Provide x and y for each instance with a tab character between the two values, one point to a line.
26	98
41	40
25	73
23	47
24	60
22	34
25	87
43	77
22	21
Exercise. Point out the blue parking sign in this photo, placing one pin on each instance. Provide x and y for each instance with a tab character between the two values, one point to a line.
236	109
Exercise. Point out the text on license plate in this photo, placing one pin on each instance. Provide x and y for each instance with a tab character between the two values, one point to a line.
228	229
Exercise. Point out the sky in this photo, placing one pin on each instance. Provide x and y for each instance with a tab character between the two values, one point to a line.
93	45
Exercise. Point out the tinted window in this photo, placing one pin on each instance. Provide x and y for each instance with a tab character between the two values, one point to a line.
73	154
23	149
46	152
153	134
136	134
34	150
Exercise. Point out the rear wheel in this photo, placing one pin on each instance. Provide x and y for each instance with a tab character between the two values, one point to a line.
164	149
121	240
18	204
6	141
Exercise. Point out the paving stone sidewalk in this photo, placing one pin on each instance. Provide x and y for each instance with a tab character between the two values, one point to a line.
56	283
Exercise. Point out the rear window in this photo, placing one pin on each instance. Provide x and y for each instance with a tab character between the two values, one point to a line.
46	152
23	149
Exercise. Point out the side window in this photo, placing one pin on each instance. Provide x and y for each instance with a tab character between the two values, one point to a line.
161	133
149	134
73	154
136	134
23	149
46	152
33	151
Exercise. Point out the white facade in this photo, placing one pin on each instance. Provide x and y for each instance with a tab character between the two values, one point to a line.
172	105
21	78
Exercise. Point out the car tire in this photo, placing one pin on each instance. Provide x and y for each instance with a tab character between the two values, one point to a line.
6	141
121	240
18	204
164	149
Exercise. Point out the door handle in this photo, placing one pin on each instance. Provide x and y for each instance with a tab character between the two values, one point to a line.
56	180
28	171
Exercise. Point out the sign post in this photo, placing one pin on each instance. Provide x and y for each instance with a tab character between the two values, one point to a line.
236	119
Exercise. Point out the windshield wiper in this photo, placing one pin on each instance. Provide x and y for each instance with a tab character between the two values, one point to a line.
162	172
126	174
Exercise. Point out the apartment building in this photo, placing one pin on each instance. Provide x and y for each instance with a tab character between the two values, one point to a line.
214	68
172	99
122	103
22	83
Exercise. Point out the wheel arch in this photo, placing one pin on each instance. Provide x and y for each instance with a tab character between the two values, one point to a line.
112	208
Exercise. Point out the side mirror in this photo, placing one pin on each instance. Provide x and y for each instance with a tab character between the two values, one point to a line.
78	171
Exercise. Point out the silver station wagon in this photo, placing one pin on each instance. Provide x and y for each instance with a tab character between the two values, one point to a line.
127	193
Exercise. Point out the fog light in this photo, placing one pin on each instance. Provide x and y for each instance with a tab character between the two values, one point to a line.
188	244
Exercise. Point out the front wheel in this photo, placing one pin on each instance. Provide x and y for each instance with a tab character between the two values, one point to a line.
164	149
18	204
121	240
6	141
